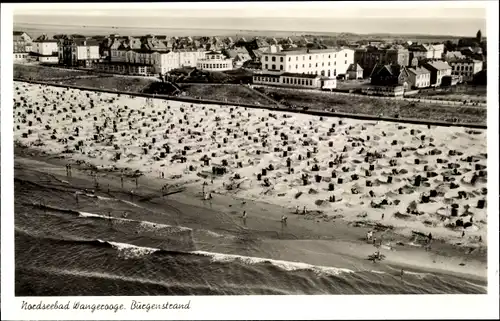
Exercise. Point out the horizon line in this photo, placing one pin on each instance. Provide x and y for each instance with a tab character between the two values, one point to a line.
247	30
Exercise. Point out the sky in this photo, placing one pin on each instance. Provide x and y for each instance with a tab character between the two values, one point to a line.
458	18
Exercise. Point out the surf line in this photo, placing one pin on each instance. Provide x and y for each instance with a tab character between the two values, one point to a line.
223	258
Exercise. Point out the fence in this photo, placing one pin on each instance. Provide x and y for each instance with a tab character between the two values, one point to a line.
267	107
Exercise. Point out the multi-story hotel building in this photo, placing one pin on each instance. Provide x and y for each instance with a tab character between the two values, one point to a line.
466	68
139	60
79	52
323	62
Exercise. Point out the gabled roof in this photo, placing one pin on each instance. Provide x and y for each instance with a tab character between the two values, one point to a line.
418	47
437	65
418	70
354	67
393	70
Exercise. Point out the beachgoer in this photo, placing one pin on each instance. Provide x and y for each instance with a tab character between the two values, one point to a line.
76	197
402	274
369	235
297	210
304	210
382	215
244	214
463	233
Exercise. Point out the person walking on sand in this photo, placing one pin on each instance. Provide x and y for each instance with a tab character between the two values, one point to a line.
76	197
304	211
463	234
382	215
283	219
402	274
244	217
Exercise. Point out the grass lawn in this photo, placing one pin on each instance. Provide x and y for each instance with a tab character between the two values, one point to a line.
120	83
372	106
231	93
458	93
37	72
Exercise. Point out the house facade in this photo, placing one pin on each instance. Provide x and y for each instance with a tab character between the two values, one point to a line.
438	70
215	61
294	80
46	47
419	77
355	72
466	68
323	62
22	42
369	57
79	52
390	75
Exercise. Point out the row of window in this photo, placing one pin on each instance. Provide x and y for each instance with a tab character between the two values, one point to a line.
286	80
322	73
462	73
462	67
273	58
20	56
214	66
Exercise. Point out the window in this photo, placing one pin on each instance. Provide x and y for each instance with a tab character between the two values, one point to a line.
310	57
297	58
345	62
334	63
309	65
316	64
281	67
266	58
296	66
334	72
303	66
266	67
328	63
346	55
328	73
289	59
281	59
273	67
273	59
303	57
328	56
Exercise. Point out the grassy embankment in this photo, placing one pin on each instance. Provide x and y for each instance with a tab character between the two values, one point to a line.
201	85
370	106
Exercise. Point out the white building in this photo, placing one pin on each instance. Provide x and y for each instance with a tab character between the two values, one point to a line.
286	79
46	47
147	62
323	62
466	68
215	61
189	58
434	51
419	77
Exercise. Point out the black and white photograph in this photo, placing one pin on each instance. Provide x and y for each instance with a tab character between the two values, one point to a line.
279	150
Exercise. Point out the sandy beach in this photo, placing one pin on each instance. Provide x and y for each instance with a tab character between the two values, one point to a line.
401	182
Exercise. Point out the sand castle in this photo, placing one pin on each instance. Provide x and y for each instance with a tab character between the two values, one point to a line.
425	178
